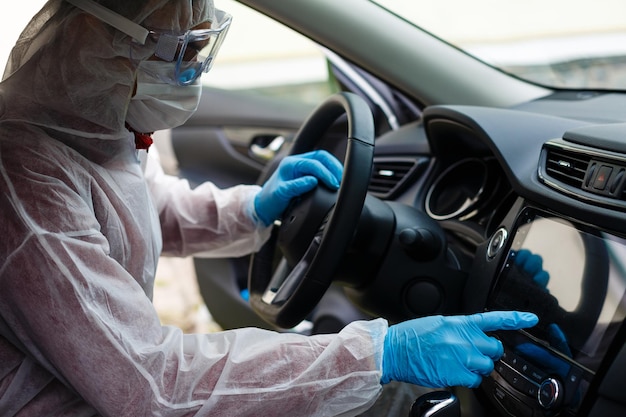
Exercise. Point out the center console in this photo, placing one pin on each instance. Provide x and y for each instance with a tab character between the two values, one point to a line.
573	276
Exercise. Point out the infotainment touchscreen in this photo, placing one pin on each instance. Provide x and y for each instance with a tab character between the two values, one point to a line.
573	277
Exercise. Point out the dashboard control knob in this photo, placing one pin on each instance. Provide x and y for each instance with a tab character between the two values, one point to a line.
420	243
550	392
497	242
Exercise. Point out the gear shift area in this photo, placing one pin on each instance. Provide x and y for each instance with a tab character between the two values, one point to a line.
436	404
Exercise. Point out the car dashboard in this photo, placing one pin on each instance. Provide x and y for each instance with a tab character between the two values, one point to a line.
531	200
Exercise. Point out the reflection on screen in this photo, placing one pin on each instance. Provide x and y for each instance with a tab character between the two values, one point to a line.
573	279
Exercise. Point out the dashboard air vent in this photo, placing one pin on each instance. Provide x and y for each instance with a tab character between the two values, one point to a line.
566	166
589	174
389	174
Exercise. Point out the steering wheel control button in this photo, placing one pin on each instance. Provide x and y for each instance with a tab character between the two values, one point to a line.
497	242
549	394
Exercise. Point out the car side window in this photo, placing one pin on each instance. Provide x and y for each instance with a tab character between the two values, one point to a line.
264	57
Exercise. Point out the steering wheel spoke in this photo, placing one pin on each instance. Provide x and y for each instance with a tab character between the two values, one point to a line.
297	274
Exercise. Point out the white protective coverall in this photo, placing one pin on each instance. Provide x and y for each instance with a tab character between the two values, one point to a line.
83	225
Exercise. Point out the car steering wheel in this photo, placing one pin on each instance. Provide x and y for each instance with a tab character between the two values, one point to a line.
316	229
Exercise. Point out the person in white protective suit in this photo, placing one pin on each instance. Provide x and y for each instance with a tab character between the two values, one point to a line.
84	217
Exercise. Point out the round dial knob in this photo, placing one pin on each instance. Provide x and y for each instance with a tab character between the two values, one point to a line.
549	394
497	242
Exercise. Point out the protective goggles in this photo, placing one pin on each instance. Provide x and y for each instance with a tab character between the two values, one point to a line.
191	53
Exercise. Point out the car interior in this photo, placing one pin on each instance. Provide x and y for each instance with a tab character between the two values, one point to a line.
467	188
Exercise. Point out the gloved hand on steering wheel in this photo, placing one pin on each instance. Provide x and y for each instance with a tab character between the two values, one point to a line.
296	175
441	352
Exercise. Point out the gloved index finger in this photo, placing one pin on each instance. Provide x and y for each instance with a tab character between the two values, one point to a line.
504	320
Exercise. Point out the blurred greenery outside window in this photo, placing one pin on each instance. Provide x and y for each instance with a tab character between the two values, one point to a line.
284	64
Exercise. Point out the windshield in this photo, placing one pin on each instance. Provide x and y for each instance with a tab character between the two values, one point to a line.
557	43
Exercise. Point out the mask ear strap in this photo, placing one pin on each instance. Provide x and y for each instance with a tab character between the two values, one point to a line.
119	22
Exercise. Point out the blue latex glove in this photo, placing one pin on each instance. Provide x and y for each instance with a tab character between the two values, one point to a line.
441	352
296	175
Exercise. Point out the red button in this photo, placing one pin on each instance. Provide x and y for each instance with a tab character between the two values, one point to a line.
603	176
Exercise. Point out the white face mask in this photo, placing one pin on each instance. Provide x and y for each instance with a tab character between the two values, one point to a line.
157	105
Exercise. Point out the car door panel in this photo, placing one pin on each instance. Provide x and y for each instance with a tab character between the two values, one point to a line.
216	143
